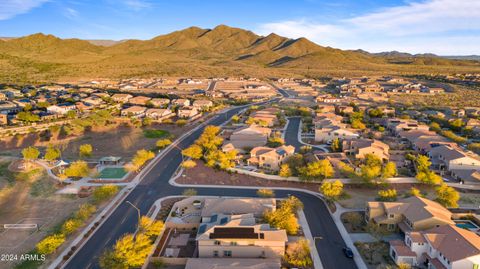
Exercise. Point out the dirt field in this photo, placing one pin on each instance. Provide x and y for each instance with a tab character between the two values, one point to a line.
118	140
30	201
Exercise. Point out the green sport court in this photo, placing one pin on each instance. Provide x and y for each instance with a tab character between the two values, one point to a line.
113	172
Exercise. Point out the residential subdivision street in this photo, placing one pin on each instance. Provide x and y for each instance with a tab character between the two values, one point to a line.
155	185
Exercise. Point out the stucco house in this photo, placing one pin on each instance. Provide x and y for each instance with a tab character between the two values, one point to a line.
250	137
239	236
448	157
133	111
270	158
181	102
121	97
442	247
361	147
187	112
139	100
410	214
328	129
158	113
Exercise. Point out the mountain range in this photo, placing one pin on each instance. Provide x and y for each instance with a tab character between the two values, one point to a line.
194	51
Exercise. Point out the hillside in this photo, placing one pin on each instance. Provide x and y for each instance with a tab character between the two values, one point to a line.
194	51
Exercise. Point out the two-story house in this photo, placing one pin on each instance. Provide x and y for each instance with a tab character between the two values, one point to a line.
361	147
442	247
239	236
270	158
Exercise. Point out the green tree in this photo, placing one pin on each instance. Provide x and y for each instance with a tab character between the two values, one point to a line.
27	116
318	170
129	251
104	193
347	170
163	143
295	162
181	123
30	154
285	170
77	169
150	227
434	126
447	196
70	226
85	211
336	145
282	219
235	118
331	190
209	140
298	254
375	113
189	164
415	192
475	147
389	170
428	177
50	243
141	157
423	163
85	150
354	218
387	195
194	151
275	142
52	154
71	114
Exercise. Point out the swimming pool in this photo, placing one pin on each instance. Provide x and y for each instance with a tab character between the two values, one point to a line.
466	224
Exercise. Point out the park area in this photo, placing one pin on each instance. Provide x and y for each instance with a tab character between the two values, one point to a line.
29	198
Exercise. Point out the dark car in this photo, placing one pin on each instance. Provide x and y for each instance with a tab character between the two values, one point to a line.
348	252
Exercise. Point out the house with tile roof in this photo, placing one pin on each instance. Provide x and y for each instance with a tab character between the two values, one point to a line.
240	236
250	137
442	247
270	158
410	214
449	158
359	148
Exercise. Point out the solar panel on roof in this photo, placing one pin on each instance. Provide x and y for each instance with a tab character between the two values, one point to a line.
213	218
234	233
223	220
202	228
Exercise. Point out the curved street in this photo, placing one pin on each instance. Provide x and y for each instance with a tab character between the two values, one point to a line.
154	186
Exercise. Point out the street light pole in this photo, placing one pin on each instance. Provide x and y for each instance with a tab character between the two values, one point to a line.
138	210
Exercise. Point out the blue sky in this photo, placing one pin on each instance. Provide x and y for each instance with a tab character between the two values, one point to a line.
445	27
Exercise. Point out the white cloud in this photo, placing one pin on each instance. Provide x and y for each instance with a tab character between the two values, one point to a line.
437	26
137	5
434	16
12	8
70	13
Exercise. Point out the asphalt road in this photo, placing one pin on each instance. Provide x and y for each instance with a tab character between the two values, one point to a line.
291	133
155	185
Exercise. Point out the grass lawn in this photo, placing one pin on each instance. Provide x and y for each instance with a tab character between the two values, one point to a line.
156	133
113	172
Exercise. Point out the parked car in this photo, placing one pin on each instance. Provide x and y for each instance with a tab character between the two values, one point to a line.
348	252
